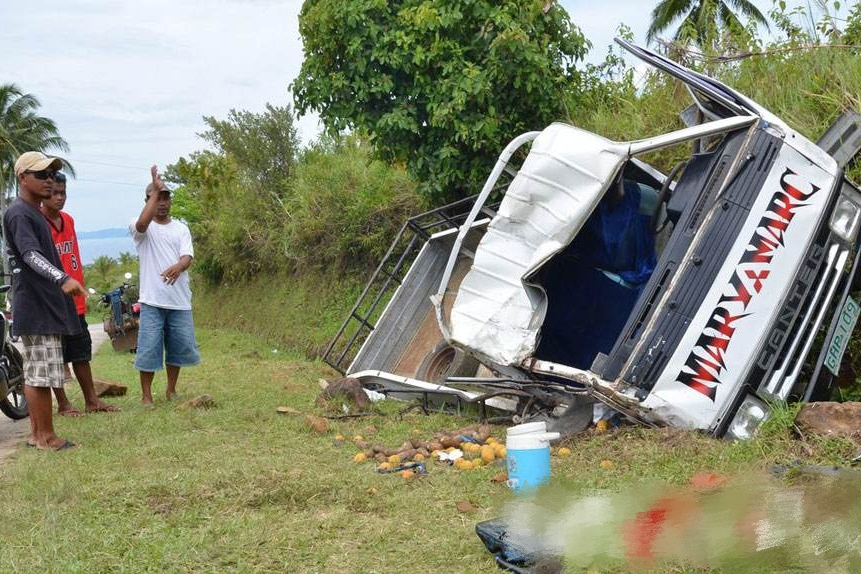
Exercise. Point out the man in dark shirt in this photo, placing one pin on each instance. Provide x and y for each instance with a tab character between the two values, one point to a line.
41	294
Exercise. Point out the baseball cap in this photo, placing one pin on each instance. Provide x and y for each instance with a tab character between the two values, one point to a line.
149	189
36	161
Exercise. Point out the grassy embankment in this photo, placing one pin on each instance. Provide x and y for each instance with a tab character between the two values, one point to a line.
241	488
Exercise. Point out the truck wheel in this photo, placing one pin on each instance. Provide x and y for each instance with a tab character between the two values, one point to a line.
445	361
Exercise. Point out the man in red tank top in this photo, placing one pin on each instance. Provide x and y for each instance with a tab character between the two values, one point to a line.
77	349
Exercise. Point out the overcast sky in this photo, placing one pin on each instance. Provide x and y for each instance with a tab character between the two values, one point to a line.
129	82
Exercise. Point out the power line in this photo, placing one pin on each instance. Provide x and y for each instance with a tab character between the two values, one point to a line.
109	182
112	164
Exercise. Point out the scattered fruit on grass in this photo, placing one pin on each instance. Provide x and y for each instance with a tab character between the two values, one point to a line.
491	440
435	454
407	474
340	437
488	454
372	491
500	451
384	466
463	464
419	457
564	451
606	464
478	463
358	438
286	410
602	426
395	459
360	457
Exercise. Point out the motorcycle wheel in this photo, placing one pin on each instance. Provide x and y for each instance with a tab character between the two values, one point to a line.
14	404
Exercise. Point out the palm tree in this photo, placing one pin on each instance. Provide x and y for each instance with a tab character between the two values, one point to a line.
703	21
22	129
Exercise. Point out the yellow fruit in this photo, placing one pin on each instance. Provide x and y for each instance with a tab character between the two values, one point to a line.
487	454
395	459
385	466
499	450
564	451
340	437
407	474
602	426
491	440
360	457
606	464
435	453
358	438
419	457
462	464
477	463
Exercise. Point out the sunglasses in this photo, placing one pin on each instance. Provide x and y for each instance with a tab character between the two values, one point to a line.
43	174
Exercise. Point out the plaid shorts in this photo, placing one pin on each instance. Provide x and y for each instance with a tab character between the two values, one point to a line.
43	360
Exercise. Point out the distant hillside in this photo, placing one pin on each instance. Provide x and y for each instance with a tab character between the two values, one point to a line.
104	233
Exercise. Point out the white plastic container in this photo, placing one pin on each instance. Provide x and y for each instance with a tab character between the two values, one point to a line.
528	458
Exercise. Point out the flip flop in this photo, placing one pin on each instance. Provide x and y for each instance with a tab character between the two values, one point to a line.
73	412
65	446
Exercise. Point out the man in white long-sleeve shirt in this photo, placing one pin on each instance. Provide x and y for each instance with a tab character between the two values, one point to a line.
166	333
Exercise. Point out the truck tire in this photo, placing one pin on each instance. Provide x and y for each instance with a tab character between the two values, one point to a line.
445	361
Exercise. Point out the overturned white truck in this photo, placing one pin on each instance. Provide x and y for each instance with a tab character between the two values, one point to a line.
692	300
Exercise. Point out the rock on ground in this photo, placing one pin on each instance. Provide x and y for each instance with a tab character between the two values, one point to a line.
831	419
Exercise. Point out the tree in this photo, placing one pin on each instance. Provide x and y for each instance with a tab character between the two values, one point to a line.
704	22
102	266
264	146
440	86
22	129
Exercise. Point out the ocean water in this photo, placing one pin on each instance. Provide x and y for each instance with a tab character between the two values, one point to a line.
110	246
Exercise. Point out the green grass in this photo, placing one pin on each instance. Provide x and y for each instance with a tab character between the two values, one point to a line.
241	488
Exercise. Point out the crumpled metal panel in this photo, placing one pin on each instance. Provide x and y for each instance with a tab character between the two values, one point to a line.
496	313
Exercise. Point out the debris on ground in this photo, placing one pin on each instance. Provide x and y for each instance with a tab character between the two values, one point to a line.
201	402
109	388
284	410
317	424
344	395
831	419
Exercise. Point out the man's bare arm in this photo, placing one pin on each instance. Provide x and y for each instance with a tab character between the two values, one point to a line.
171	274
148	212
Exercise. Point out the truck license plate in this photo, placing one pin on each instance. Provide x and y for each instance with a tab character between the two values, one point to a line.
845	324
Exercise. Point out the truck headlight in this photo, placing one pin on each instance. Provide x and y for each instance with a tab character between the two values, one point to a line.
750	415
847	215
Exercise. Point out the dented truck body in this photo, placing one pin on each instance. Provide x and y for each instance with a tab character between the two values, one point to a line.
693	299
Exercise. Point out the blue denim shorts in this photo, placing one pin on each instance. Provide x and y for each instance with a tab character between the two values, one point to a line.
165	336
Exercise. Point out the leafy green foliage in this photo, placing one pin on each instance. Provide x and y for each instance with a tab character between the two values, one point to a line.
255	205
346	206
22	129
232	198
439	85
708	24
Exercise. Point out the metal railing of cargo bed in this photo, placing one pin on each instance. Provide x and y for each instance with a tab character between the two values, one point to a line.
389	274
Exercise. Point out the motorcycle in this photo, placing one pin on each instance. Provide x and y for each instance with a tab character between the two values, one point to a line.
13	403
122	316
